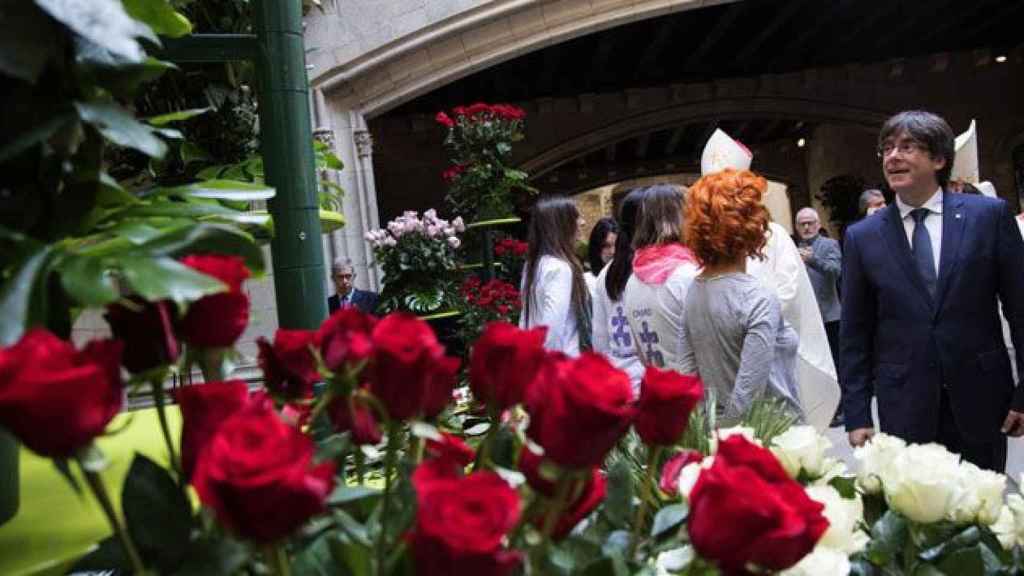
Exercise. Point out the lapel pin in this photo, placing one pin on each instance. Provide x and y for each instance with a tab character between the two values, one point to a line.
958	215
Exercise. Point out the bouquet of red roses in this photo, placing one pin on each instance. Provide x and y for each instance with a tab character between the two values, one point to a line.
485	302
480	177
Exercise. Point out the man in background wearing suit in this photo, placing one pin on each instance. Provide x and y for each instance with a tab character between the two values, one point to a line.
920	323
344	275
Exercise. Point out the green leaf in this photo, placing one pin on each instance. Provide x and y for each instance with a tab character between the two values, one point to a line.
351	528
23	298
160	16
190	152
345	494
28	42
159	278
157	514
888	538
107	555
64	468
86	280
846	486
125	78
618	505
103	22
315	559
209	557
206	237
668	518
974	560
164	119
607	566
221	190
121	128
937	539
862	567
33	136
356	557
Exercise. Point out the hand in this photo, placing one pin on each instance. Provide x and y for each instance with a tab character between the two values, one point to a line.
860	436
1014	424
806	253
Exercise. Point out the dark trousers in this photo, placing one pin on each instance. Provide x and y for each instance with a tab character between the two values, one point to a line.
987	455
832	333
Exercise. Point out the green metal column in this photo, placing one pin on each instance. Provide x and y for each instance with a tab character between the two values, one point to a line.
288	161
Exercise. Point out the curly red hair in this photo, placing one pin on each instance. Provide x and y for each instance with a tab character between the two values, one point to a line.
725	219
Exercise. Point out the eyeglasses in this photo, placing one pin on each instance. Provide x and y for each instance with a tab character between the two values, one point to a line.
904	147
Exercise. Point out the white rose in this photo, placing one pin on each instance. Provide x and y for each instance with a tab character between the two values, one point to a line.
979	495
674	560
820	562
921	481
1009	527
689	474
844	518
454	242
801	447
875	458
723	433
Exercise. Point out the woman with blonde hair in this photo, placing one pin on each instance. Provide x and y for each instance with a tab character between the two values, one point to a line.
663	270
554	292
735	337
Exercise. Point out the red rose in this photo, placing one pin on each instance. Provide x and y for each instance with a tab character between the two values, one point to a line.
739	517
54	398
669	482
460	524
444	120
579	408
147	331
737	451
289	368
591	491
477	108
504	361
353	414
257	475
216	321
410	374
529	464
448	458
666	400
204	407
459	110
344	339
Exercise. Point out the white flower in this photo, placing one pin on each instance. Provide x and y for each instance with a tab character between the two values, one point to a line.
921	481
1009	527
430	214
674	560
390	242
449	231
844	518
801	447
978	497
454	242
689	474
723	433
459	225
875	457
432	231
820	562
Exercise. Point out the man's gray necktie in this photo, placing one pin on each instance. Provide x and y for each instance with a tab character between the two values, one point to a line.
922	250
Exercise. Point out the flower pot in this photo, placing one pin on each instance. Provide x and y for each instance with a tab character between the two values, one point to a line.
9	477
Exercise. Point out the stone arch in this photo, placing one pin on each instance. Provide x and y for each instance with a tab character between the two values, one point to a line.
711	109
490	33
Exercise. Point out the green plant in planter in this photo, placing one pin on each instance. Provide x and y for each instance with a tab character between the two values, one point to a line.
481	181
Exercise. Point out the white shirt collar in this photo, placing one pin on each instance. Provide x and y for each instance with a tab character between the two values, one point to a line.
934	204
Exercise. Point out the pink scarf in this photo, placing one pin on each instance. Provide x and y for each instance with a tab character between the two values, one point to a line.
654	264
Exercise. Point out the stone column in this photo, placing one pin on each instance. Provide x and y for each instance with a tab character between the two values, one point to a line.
353	144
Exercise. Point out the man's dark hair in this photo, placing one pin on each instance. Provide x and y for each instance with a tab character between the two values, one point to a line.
928	129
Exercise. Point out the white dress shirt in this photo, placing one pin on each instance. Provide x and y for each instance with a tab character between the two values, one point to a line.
552	305
933	222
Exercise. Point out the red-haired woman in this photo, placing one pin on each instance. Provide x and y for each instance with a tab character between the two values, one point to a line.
735	336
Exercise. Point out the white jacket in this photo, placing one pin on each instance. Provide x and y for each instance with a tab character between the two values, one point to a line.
657	317
611	334
783	272
552	305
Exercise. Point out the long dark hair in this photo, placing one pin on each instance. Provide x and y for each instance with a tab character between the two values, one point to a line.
552	232
661	216
622	263
602	229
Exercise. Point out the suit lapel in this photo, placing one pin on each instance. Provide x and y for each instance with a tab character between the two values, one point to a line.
896	237
953	222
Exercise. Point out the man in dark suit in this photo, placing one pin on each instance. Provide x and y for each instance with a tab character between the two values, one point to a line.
920	324
344	276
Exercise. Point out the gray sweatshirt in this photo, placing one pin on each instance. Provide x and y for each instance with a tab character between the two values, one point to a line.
736	339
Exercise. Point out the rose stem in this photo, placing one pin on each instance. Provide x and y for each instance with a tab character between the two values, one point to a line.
161	412
389	465
100	492
653	452
278	560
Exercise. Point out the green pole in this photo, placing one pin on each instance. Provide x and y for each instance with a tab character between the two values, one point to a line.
288	161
